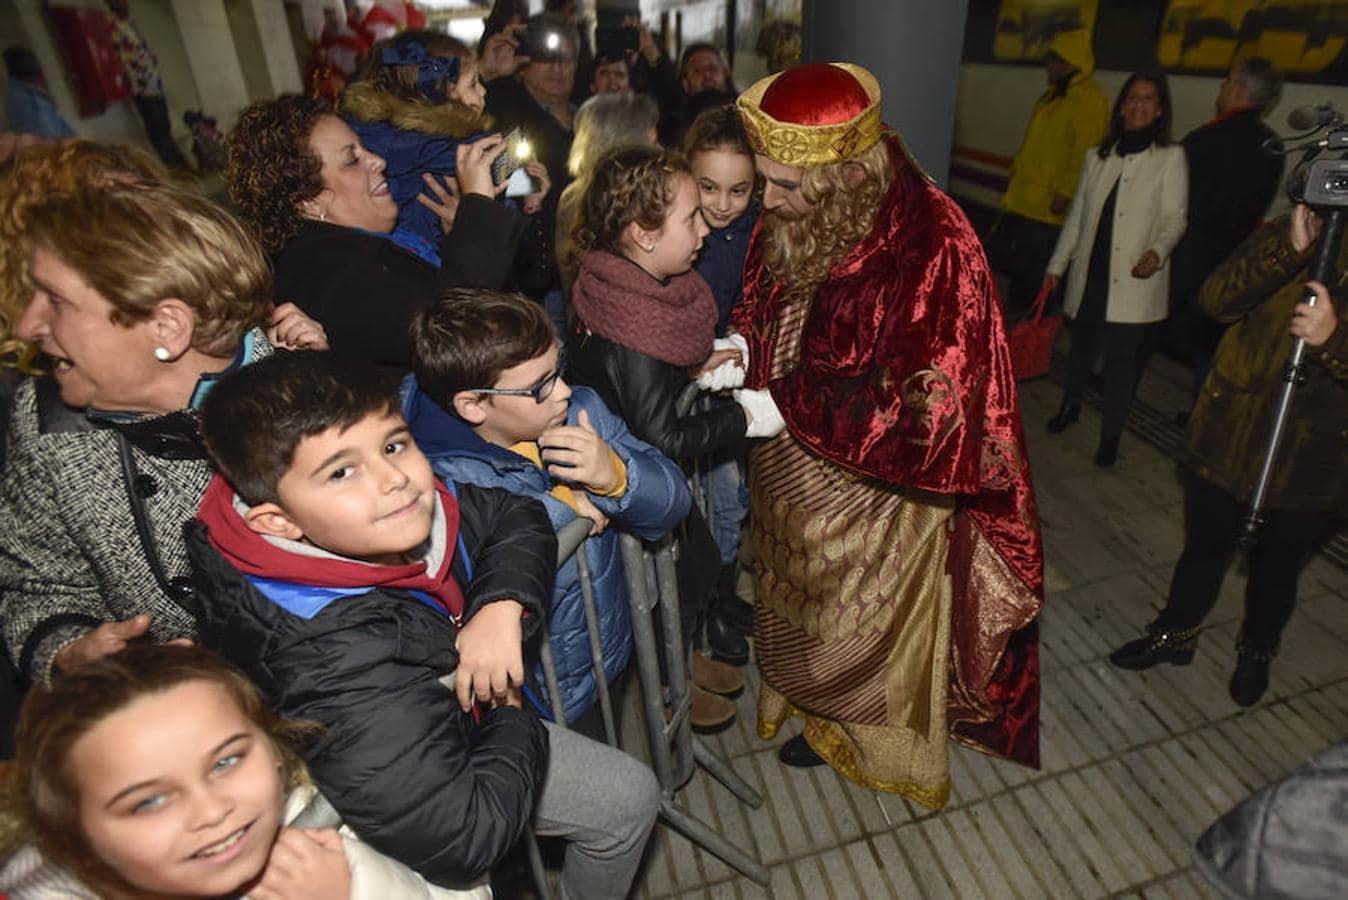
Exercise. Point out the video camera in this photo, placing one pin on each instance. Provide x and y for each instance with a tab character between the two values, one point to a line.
1321	183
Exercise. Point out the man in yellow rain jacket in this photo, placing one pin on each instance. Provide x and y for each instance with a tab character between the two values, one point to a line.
1068	119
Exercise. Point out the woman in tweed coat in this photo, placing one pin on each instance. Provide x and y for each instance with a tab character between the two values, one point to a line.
139	293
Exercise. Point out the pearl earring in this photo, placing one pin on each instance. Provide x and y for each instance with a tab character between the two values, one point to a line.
162	354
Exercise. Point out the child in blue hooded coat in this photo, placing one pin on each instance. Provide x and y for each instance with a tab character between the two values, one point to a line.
488	406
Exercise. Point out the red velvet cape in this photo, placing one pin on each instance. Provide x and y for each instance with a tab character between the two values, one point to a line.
905	377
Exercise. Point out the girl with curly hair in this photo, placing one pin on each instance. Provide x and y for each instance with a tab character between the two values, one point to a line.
160	772
320	203
646	323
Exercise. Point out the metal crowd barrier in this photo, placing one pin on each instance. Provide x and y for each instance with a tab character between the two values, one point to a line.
652	588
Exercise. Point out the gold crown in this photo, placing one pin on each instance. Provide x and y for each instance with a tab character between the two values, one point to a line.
806	146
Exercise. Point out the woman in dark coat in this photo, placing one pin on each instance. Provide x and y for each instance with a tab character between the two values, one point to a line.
140	294
320	204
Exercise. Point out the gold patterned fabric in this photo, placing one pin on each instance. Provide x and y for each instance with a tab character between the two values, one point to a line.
853	611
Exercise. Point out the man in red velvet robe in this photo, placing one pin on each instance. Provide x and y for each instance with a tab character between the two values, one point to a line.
894	526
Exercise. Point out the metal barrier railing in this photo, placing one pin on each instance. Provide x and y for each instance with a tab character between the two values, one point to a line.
652	589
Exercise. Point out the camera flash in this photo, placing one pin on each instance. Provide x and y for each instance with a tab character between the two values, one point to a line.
553	41
522	150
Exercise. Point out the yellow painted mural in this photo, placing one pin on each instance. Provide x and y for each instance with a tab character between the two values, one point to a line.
1024	27
1298	36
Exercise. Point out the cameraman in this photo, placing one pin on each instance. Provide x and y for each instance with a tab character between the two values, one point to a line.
1259	292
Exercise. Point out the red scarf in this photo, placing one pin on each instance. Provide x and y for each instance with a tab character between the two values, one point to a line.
673	322
252	554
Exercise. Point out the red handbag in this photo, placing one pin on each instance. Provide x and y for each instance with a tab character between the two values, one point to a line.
1031	340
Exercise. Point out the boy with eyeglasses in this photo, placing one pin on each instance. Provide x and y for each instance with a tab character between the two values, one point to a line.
489	407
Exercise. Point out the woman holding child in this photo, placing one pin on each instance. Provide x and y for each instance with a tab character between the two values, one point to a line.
140	294
319	201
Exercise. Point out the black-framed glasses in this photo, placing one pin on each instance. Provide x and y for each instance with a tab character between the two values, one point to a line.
540	392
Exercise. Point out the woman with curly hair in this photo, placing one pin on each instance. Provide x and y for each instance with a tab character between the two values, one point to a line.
418	97
139	295
320	204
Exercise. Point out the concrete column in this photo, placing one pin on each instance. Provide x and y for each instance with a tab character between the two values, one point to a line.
277	48
913	47
212	58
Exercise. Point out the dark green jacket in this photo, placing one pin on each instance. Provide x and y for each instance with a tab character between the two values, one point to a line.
1255	291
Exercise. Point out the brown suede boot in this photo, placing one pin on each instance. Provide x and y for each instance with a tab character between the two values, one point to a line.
716	677
709	713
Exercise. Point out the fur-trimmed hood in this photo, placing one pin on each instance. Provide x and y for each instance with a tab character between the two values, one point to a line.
366	101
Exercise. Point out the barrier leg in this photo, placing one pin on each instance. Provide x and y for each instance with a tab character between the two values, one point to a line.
648	665
713	842
723	772
674	741
596	647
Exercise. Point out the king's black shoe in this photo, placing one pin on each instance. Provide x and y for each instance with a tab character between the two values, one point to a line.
1174	647
798	753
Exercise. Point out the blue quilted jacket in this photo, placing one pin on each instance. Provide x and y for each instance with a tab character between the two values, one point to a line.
657	499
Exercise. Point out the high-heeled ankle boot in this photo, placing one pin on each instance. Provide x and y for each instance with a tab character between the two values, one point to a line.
1108	452
1067	414
1250	680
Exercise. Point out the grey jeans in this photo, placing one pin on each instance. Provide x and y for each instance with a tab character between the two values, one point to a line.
604	803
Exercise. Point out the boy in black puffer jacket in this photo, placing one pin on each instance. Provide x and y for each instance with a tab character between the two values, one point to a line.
350	585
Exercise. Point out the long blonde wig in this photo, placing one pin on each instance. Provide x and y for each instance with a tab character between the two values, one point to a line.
801	251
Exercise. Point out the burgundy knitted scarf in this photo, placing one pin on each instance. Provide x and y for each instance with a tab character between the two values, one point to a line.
617	299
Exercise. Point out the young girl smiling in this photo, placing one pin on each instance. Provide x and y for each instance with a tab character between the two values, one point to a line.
723	164
159	772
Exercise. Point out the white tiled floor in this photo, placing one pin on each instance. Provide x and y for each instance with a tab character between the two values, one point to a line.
1135	766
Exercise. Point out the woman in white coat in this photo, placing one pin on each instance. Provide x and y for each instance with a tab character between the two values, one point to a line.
1128	213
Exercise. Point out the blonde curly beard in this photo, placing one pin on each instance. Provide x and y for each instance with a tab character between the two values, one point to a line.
800	250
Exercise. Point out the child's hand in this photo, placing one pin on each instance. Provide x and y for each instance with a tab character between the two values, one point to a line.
578	454
491	659
719	358
539	173
586	508
305	865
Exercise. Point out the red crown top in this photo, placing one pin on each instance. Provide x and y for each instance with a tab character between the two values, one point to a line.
815	94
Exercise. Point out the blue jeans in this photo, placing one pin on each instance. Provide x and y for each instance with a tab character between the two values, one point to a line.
728	498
